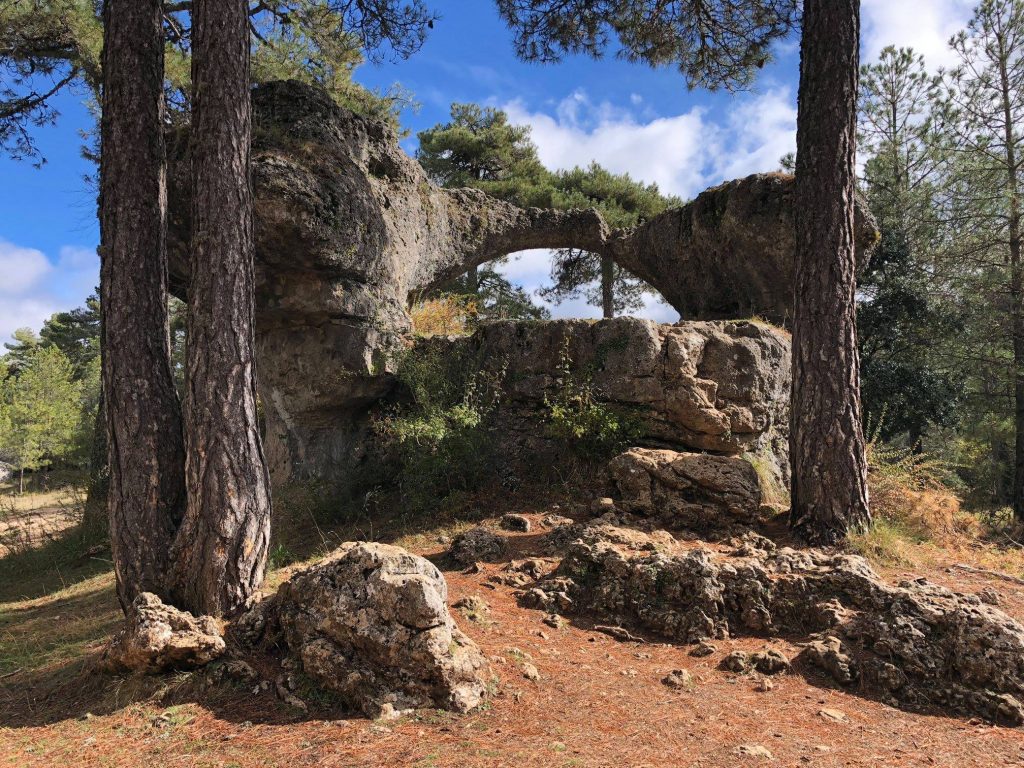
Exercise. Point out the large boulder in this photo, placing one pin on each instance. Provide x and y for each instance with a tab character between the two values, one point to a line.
698	491
159	638
915	644
371	623
348	227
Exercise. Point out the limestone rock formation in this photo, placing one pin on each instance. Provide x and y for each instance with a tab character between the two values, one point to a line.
916	644
348	227
718	386
698	491
371	623
159	638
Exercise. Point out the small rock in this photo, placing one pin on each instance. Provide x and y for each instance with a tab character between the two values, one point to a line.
619	633
477	545
474	608
555	521
703	649
753	750
770	661
554	620
829	655
519	523
737	661
530	672
834	715
158	638
602	506
678	678
764	685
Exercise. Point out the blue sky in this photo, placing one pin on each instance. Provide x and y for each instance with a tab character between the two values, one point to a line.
628	117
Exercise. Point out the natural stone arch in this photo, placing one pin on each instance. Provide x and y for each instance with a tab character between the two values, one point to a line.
348	227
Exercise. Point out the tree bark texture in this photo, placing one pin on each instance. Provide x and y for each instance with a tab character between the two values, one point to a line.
607	287
146	455
221	549
829	477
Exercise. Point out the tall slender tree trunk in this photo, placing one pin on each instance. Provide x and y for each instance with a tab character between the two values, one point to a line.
829	478
607	287
146	454
1016	285
221	549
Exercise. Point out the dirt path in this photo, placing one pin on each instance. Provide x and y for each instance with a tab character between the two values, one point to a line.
598	702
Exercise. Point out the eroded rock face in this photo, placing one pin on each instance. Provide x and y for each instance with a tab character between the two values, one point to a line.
347	227
916	643
159	638
698	491
713	386
371	623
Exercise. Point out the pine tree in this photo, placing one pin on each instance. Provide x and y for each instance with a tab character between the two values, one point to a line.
909	382
39	412
981	112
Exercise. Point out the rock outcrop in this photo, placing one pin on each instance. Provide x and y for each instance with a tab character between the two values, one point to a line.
347	227
718	387
697	491
915	644
371	623
159	638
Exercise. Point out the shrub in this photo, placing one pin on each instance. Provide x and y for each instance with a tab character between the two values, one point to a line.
576	417
445	315
442	437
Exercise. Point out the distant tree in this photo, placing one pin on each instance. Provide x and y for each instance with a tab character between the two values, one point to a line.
479	148
904	325
623	202
39	412
20	351
76	333
980	118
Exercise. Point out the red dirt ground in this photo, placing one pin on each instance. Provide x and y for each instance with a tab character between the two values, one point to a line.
598	702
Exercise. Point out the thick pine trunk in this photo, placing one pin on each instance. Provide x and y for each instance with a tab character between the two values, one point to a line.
94	517
146	455
607	287
221	550
829	478
473	280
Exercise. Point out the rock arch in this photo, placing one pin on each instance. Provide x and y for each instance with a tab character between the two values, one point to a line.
348	226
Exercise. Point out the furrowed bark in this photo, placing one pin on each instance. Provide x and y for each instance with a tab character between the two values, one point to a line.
829	477
221	549
143	420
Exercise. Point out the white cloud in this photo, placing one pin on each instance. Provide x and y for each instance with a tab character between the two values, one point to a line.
34	288
682	154
21	267
924	26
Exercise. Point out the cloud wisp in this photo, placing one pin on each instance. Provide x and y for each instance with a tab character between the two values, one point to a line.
35	287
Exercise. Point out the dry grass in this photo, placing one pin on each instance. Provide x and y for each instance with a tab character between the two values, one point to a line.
919	522
447	315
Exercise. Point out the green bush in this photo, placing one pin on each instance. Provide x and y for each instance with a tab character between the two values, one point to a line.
442	438
578	419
